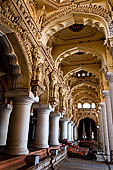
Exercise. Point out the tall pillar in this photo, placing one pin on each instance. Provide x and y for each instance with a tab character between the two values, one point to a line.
19	125
69	131
42	125
109	118
101	130
5	111
75	132
54	129
109	77
72	125
63	128
106	137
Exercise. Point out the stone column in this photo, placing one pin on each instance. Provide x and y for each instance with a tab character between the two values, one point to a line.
54	129
19	125
101	130
63	128
106	137
42	126
75	132
109	118
72	125
69	131
103	140
109	77
5	111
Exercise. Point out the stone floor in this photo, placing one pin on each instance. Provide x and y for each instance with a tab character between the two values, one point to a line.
79	164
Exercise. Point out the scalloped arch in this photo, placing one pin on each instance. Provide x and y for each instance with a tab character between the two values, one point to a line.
12	62
79	69
20	57
75	50
89	116
82	84
90	96
81	93
87	15
81	100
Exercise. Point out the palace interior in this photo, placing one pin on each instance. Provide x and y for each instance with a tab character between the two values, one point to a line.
56	80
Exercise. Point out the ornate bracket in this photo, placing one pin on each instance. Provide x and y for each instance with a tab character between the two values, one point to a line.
37	87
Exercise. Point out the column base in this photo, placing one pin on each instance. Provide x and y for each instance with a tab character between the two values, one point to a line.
107	158
41	146
17	151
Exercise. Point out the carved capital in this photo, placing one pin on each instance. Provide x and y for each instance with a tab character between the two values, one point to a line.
105	93
55	114
40	106
111	41
21	93
102	105
109	77
63	119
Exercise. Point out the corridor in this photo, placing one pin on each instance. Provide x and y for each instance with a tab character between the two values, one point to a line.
79	164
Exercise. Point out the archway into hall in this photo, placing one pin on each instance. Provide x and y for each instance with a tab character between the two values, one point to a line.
87	129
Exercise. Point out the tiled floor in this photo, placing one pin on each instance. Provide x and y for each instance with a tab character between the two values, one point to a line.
79	164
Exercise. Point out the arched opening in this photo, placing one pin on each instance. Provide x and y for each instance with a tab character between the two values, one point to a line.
86	106
87	129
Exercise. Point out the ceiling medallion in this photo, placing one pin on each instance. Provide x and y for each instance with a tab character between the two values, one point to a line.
76	27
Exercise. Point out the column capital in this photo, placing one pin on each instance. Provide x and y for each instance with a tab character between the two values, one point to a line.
75	125
21	93
105	93
55	114
6	106
69	122
111	41
63	119
102	104
109	77
42	106
72	123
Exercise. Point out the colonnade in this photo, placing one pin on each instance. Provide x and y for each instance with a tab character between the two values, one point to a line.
106	118
50	126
